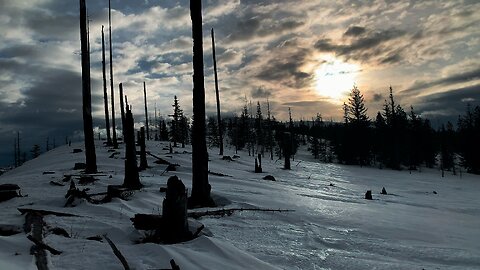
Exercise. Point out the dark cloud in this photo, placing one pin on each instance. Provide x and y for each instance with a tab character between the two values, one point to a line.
452	79
371	45
245	29
377	97
260	92
448	105
354	31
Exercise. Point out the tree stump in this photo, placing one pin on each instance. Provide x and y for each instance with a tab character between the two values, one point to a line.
175	223
368	195
269	177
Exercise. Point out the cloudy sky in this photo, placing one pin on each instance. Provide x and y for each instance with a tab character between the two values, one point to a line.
300	54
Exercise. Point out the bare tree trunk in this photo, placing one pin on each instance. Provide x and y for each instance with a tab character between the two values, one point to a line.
287	151
122	109
200	186
90	157
114	130
219	118
105	95
15	152
146	111
143	151
132	180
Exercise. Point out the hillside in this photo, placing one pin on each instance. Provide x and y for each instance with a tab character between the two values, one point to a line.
332	226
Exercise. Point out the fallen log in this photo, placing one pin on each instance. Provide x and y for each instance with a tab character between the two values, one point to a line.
117	253
219	174
229	212
45	212
174	265
159	159
9	191
42	245
54	183
147	222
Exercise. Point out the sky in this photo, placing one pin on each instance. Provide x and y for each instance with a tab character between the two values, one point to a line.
305	55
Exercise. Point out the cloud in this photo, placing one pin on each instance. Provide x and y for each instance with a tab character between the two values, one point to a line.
369	46
354	31
462	77
448	105
260	92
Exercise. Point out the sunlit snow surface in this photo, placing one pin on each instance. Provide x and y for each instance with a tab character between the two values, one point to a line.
332	226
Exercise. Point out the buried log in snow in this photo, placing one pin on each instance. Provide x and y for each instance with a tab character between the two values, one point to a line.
9	191
269	177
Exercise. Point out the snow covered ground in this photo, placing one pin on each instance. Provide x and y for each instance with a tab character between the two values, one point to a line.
332	226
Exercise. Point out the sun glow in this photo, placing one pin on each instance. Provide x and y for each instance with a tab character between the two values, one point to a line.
335	78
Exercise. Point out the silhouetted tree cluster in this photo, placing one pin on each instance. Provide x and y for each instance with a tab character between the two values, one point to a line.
394	139
468	138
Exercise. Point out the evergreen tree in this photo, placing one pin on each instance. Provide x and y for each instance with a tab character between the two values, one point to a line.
163	131
447	138
176	123
259	127
269	138
184	130
35	151
212	133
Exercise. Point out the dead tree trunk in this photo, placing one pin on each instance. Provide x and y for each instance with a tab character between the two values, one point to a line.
143	152
105	95
219	118
132	180
200	186
122	109
90	157
15	152
146	110
287	150
114	131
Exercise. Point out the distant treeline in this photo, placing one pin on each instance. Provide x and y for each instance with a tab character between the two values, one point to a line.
395	139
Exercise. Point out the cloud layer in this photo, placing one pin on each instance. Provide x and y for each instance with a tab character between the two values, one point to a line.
265	49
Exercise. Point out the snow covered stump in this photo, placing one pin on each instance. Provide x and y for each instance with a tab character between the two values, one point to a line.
174	216
368	195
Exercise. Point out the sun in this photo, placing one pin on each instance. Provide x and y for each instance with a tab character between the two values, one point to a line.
334	77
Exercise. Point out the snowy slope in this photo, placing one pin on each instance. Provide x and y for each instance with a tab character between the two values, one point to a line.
332	226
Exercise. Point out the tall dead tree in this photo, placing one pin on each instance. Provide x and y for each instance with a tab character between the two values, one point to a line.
19	159
105	95
200	186
143	151
15	153
122	108
114	130
90	157
146	111
131	180
219	118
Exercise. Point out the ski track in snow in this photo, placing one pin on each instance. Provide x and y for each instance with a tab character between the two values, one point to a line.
332	226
